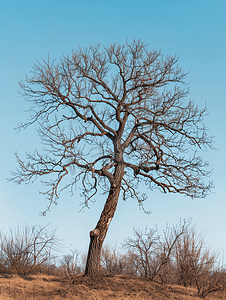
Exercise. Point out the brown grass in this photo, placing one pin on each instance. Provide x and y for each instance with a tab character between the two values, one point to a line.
43	287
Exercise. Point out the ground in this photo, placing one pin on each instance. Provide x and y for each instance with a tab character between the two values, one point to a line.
43	287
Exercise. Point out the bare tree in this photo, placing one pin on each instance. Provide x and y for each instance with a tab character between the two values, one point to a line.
151	252
25	250
142	250
117	116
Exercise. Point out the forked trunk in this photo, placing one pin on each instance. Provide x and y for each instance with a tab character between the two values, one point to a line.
97	235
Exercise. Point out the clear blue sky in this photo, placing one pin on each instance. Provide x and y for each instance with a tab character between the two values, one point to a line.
195	30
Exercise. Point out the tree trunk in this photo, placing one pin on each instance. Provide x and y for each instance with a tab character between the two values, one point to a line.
97	235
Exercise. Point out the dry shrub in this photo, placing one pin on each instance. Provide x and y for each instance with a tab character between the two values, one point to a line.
178	256
197	265
112	261
26	250
151	253
71	263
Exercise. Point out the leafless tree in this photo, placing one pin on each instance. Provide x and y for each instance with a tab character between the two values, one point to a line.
151	252
114	117
25	250
142	250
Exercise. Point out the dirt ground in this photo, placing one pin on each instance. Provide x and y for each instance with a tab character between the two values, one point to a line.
43	287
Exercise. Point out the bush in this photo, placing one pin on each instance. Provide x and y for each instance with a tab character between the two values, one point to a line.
178	256
197	265
151	253
112	261
26	249
71	263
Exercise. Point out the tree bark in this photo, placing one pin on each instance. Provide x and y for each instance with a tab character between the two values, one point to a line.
98	235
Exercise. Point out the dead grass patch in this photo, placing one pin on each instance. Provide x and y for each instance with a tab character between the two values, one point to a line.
44	287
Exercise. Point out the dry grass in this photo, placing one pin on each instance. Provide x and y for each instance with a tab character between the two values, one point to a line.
43	287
